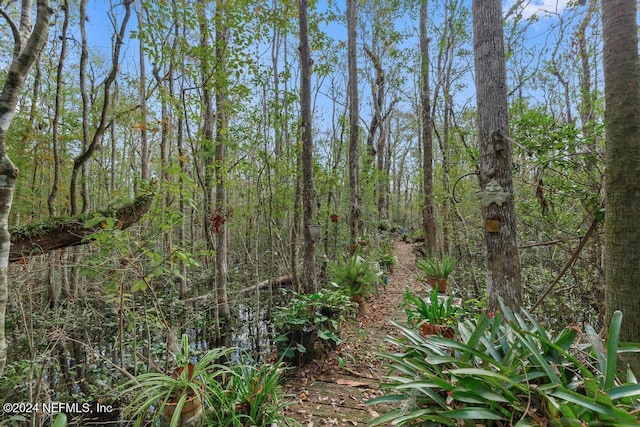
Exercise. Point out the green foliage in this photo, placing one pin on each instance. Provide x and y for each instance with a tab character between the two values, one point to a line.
434	311
507	370
387	260
256	397
153	391
437	267
321	312
356	275
60	420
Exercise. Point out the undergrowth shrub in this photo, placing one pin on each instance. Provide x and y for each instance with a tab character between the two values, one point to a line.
509	370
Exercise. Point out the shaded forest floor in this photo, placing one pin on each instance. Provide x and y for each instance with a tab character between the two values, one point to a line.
333	390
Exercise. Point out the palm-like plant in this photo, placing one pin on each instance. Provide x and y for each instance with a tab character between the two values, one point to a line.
178	398
257	395
357	276
439	268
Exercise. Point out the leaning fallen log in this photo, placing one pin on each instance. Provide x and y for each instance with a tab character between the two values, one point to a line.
62	232
277	281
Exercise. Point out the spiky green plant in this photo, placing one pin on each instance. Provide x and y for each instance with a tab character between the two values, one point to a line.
437	267
434	311
257	395
508	370
151	392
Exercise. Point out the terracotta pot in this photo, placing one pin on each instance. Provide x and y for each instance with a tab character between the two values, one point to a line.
192	412
438	282
334	217
363	307
445	331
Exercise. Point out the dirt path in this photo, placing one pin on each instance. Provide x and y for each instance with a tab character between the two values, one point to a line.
332	391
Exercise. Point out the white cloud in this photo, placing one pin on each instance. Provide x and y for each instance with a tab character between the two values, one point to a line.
541	8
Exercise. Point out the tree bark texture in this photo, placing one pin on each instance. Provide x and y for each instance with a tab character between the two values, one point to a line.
308	194
354	127
55	125
622	160
29	42
220	168
428	210
503	264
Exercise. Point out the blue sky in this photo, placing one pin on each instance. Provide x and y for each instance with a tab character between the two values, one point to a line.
537	7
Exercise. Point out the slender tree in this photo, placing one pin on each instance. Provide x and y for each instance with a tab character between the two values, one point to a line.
428	211
622	195
220	167
142	94
28	42
55	125
308	196
354	118
495	164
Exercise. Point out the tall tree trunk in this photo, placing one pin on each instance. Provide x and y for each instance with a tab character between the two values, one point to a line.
622	161
55	131
377	99
428	210
308	194
142	94
220	169
498	208
378	128
211	223
28	43
354	125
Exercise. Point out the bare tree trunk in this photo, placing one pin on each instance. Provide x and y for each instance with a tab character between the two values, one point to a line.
142	94
210	222
622	195
494	169
354	126
378	128
220	168
55	136
308	193
28	43
428	210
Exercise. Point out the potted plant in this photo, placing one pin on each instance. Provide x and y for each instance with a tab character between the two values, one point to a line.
358	277
307	319
178	398
258	397
436	271
437	316
387	260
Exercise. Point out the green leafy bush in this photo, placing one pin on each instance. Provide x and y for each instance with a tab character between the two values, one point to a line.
508	370
307	317
356	275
